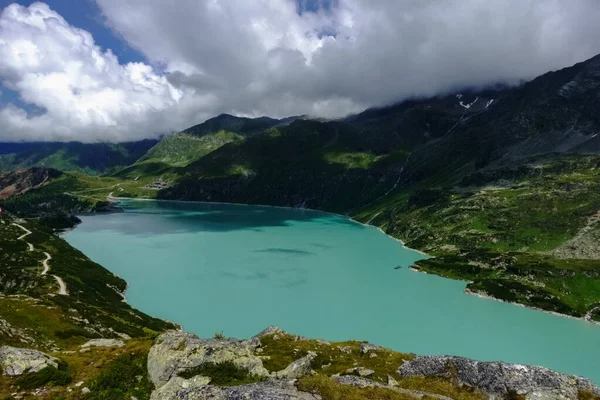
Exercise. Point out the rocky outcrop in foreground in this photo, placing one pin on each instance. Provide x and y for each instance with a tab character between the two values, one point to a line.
195	389
176	352
497	379
177	358
16	361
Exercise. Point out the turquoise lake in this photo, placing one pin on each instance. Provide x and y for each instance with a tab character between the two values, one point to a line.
237	269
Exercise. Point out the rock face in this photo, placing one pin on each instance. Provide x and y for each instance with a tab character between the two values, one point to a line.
497	379
17	182
175	352
268	390
16	361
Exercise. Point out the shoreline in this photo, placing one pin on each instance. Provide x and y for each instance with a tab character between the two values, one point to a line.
488	297
116	200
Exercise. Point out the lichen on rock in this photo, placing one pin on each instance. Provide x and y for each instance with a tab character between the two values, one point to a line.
497	379
17	361
268	390
175	352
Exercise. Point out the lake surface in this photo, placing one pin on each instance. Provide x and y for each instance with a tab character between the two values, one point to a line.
237	269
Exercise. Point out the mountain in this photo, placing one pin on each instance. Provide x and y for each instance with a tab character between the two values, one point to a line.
500	185
89	158
307	163
182	148
239	125
16	183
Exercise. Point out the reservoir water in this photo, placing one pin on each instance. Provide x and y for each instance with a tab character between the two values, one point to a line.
237	269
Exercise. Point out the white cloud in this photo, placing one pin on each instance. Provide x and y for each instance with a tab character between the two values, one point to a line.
262	58
85	94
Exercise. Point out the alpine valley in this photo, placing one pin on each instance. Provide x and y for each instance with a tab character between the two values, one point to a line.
500	187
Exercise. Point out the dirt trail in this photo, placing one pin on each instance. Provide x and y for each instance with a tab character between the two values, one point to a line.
62	287
22	237
45	263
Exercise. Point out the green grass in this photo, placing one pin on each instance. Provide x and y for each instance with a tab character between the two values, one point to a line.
181	149
222	374
351	159
330	360
49	376
124	377
586	395
329	389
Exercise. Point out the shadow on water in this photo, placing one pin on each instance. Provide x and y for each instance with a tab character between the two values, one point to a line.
182	217
291	252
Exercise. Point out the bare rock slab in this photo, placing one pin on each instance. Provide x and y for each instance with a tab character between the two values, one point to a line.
17	361
268	390
497	379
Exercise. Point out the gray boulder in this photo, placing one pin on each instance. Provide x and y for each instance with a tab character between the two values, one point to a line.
177	384
268	390
497	379
298	368
366	347
176	351
16	361
103	343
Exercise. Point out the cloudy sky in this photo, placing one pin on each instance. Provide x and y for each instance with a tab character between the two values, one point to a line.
129	69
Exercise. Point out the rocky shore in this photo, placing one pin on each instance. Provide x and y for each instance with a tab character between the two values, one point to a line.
280	366
176	355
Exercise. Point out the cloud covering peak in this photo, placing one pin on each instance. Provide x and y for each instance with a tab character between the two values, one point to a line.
264	57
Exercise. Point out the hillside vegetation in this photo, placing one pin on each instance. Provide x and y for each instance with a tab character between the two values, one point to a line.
88	158
181	148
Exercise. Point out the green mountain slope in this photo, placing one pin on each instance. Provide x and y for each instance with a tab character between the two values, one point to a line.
89	158
319	165
181	149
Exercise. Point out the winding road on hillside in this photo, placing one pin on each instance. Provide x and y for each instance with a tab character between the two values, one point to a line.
62	287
